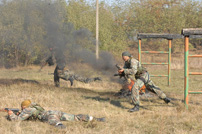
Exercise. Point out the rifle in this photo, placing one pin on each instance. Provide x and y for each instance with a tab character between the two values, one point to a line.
42	65
48	61
119	68
15	110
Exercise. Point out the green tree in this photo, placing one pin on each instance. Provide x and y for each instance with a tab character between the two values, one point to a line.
111	37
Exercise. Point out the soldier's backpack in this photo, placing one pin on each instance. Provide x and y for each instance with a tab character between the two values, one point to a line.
38	111
140	70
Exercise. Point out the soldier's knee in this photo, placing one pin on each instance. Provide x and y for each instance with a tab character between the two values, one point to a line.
82	117
135	87
162	95
67	117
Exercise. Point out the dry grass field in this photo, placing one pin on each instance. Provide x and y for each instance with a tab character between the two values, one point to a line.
96	99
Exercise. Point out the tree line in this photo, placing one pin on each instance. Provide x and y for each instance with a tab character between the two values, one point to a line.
29	27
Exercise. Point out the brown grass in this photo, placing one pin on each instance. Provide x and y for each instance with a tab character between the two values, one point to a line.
154	117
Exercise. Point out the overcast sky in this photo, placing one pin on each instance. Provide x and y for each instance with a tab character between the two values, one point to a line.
112	1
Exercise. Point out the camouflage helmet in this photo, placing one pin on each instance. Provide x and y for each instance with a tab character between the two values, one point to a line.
126	53
25	103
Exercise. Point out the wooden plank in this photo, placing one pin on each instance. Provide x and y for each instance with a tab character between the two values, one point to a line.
195	36
192	31
159	35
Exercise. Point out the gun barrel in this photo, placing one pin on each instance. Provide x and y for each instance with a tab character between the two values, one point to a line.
15	110
119	68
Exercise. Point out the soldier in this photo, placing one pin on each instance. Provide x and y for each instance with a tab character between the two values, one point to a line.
33	111
66	74
133	70
61	71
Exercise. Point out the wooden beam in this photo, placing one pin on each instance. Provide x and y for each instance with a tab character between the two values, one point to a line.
157	35
195	36
192	31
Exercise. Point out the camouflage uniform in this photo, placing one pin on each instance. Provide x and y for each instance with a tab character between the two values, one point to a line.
36	112
65	74
134	70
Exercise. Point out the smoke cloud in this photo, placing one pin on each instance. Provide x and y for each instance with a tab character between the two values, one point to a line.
77	44
43	24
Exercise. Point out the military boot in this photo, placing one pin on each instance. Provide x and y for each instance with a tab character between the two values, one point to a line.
71	79
167	100
60	126
100	119
57	84
134	109
98	78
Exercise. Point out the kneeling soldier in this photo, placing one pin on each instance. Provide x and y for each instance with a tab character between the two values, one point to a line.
133	70
33	111
58	57
65	74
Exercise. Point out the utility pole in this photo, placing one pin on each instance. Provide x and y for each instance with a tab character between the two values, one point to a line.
97	29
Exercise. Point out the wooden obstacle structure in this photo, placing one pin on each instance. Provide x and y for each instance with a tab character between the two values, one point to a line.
169	37
189	33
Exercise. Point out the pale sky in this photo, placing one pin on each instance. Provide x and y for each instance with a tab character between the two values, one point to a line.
106	1
112	1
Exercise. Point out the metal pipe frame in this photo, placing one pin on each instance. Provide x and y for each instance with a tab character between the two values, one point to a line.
187	73
157	52
189	33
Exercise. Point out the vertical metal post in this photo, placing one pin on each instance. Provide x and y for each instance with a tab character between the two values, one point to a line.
139	50
169	62
97	29
186	72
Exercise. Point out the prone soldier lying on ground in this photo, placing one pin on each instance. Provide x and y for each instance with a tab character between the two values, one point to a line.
33	111
15	110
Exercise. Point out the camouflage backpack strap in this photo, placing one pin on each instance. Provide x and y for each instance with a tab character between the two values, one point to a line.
140	70
39	110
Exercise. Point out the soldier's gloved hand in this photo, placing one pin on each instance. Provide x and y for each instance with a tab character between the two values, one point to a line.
60	126
120	71
10	112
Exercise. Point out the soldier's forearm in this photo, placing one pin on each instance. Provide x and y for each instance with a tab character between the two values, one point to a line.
24	115
13	117
130	71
